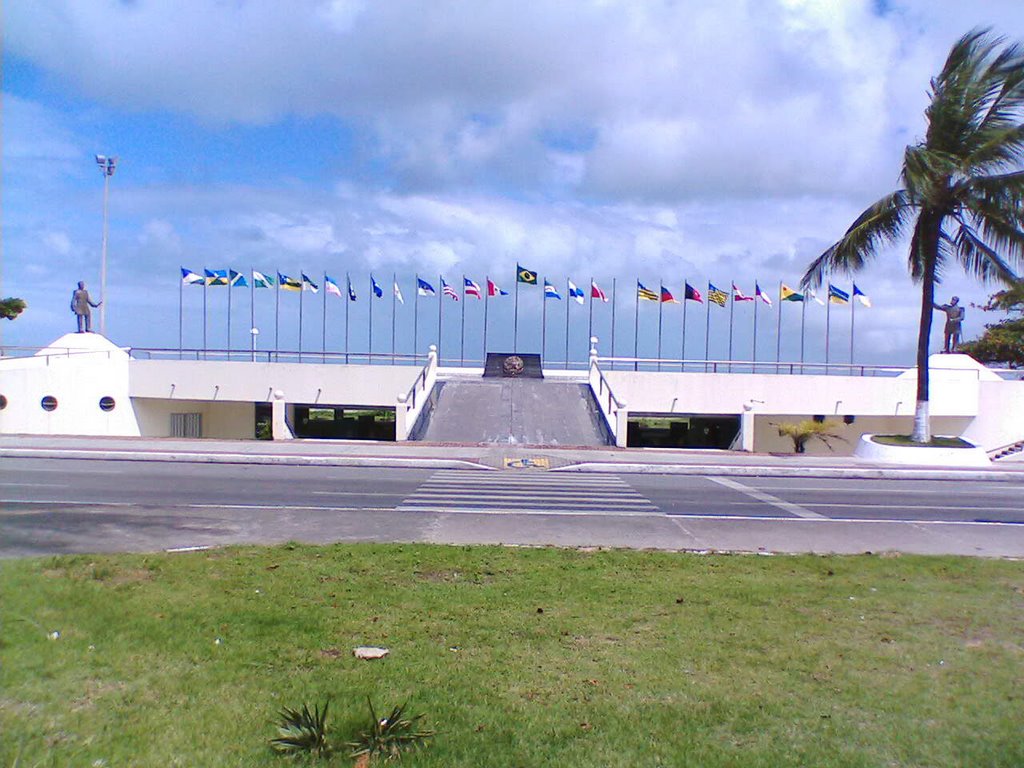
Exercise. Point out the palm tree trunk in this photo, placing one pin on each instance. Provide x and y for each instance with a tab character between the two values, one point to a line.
927	237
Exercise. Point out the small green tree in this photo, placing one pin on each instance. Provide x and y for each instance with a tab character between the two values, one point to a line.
1003	342
10	307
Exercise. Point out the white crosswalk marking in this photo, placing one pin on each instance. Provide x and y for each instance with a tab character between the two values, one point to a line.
459	491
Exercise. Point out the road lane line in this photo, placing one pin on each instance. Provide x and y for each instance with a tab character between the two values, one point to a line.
767	498
34	485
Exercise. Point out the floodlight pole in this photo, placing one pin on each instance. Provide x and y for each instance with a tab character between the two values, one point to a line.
107	165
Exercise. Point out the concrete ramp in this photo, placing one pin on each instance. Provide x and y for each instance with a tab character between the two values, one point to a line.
525	411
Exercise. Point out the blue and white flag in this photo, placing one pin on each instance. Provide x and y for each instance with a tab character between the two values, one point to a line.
351	290
550	292
188	277
377	290
259	280
860	296
238	280
216	276
423	288
331	287
575	293
398	294
309	285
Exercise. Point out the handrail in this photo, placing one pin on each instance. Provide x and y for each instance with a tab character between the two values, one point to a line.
613	409
405	419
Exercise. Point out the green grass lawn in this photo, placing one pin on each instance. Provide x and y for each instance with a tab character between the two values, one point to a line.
517	657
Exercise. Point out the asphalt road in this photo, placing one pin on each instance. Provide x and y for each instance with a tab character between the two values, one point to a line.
51	506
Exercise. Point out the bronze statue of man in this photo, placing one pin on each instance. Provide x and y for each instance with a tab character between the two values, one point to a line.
954	320
80	304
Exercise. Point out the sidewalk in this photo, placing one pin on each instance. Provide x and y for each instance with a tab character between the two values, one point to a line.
484	457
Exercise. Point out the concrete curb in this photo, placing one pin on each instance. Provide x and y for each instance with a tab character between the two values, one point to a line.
242	458
845	473
400	462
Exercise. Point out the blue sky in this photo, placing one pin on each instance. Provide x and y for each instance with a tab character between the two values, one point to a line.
663	141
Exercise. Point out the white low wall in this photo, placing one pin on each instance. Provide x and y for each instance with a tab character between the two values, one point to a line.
225	421
1000	419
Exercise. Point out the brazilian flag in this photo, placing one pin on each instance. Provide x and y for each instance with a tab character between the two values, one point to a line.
524	275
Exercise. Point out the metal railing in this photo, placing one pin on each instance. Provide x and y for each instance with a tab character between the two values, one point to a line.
276	356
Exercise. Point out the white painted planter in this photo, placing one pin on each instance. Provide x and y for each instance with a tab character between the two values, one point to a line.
922	456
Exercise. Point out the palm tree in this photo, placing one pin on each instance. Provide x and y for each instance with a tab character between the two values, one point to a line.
963	188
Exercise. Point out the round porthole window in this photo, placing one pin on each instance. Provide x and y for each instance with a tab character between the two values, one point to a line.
49	403
107	403
3	402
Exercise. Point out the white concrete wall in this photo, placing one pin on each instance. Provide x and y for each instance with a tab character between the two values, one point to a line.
310	383
77	370
226	421
713	393
1000	420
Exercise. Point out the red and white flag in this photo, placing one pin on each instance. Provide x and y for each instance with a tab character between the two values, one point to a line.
597	293
471	288
737	294
447	290
494	290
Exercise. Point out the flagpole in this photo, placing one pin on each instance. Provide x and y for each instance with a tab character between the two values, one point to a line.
487	299
614	280
707	330
302	282
661	307
853	313
440	301
230	286
778	332
416	317
590	319
252	312
394	311
544	324
757	300
277	316
828	317
369	341
732	309
181	301
636	330
567	323
682	343
206	286
348	300
515	318
462	331
323	330
803	327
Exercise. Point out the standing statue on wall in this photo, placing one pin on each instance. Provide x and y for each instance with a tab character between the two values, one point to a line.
80	305
954	320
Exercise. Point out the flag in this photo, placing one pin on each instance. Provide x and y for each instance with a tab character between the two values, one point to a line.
259	280
762	295
667	297
692	294
597	293
398	294
788	294
216	277
645	293
575	293
860	296
188	277
423	288
717	295
351	290
331	287
524	275
812	295
238	280
288	283
447	290
550	292
837	296
377	290
737	294
470	288
494	290
309	285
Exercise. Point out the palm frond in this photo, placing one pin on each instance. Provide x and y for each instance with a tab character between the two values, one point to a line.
390	736
879	224
978	258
